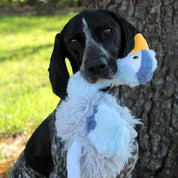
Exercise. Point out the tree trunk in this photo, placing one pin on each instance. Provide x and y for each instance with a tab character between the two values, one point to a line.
156	102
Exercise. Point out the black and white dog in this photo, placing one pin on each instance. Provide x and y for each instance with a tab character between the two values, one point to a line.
92	41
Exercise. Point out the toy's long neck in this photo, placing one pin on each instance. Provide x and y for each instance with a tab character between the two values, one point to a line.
78	86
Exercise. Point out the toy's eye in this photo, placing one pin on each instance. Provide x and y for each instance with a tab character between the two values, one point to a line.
135	57
74	42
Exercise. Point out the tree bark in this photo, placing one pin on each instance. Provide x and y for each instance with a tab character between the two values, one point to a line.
155	103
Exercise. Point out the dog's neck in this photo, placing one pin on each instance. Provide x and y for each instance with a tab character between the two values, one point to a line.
116	91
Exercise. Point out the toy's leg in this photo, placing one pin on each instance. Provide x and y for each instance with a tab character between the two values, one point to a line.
73	160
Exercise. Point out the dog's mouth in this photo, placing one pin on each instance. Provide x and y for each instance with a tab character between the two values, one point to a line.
94	79
107	74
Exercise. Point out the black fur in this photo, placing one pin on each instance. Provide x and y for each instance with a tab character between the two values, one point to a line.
42	148
38	149
118	45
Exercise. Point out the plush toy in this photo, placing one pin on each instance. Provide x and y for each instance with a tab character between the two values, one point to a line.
98	133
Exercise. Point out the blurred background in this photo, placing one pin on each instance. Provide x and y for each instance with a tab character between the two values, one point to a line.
27	31
38	7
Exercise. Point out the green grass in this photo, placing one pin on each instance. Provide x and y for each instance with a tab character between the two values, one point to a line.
26	97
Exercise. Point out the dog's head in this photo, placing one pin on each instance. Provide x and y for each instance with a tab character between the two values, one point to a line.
92	41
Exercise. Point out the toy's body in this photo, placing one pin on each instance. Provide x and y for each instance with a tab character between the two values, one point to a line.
100	134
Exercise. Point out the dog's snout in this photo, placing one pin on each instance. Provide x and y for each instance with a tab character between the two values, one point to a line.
96	66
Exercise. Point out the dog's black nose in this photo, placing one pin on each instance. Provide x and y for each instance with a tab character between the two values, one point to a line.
96	66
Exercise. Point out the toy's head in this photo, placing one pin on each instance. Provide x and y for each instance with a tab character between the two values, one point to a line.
138	66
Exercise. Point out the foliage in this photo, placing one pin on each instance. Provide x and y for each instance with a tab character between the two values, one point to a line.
55	3
26	97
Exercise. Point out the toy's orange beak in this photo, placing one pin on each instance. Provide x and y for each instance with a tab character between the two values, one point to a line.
140	43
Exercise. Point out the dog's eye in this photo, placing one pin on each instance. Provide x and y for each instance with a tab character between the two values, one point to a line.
74	41
107	31
135	57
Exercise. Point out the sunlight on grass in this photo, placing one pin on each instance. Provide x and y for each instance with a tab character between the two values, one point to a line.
26	96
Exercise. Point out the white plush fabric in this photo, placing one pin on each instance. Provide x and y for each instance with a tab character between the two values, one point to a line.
73	160
71	125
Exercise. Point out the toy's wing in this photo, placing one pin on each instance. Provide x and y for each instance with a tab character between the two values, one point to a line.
130	166
148	66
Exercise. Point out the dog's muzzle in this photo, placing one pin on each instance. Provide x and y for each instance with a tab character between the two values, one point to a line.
101	68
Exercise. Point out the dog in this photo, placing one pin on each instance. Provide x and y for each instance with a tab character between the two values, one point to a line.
92	41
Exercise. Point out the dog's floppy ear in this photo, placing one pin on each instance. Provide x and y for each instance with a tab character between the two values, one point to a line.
58	73
128	33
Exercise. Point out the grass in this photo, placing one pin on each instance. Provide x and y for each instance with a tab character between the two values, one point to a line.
26	96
